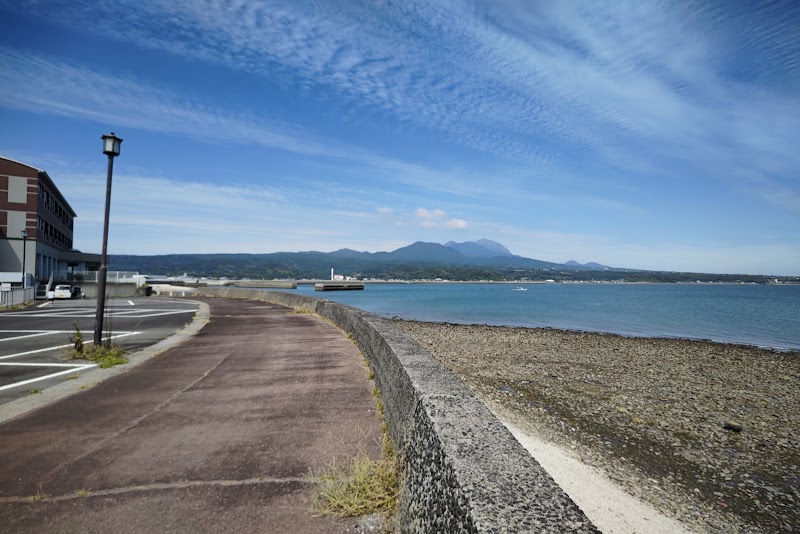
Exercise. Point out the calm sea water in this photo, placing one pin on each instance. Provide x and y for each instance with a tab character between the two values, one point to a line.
765	316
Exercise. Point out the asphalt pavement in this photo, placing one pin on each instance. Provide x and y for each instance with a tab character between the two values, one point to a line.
33	340
217	434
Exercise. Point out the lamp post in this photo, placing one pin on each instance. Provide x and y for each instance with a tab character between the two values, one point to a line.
110	148
24	235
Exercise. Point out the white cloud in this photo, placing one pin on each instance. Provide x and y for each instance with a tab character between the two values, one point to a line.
437	218
430	215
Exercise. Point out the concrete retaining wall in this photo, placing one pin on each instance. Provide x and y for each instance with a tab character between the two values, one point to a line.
464	471
89	290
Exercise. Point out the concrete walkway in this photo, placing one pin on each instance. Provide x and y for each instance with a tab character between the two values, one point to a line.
215	435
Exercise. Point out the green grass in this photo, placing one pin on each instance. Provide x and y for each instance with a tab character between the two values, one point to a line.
104	357
34	391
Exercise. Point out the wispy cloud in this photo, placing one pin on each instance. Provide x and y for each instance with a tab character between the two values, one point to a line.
59	88
198	217
530	84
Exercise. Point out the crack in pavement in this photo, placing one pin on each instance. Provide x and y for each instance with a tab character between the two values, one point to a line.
100	444
183	484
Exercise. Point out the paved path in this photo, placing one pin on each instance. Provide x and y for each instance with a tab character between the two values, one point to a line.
215	435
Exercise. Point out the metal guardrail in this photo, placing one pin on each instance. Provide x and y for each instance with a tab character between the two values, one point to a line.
15	297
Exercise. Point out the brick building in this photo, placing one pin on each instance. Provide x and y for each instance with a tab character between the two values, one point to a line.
31	202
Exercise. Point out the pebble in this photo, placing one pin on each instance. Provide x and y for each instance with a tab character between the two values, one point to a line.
732	426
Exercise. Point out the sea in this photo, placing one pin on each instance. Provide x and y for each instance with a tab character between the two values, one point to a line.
766	316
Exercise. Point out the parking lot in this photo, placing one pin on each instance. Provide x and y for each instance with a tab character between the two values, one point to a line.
33	340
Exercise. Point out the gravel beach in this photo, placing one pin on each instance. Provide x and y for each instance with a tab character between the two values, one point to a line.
708	433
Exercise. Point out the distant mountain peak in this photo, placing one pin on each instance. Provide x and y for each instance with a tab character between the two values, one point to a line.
483	248
590	265
495	246
349	253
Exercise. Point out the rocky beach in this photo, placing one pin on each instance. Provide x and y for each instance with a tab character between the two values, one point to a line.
707	433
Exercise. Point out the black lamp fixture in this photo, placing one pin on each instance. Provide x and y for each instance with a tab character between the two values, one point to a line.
111	145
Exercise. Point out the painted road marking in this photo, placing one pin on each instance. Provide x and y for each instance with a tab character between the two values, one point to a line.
40	333
75	314
131	303
176	312
73	368
27	364
46	349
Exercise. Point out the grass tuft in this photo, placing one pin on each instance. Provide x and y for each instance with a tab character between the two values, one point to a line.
104	357
363	487
34	391
39	496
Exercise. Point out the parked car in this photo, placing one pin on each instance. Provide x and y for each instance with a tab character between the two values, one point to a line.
63	292
77	292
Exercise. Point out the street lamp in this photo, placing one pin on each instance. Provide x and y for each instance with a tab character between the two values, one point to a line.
24	235
110	148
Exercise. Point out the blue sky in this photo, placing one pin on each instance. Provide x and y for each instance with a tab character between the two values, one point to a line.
654	135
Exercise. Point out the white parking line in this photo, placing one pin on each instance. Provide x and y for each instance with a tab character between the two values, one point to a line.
46	349
73	369
26	364
170	312
131	303
47	333
74	313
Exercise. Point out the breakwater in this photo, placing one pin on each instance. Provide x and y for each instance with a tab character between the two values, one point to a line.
464	472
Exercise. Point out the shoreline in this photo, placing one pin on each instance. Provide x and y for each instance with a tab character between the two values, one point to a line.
706	432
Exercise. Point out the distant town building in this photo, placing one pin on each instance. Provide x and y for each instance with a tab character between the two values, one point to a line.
31	203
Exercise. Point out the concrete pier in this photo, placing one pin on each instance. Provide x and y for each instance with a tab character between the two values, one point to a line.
336	286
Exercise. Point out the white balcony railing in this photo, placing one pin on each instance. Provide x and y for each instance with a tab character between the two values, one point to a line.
112	277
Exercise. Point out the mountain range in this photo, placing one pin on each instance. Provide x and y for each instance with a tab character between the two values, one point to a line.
480	258
483	252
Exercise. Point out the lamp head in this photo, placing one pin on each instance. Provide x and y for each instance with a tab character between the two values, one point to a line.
111	144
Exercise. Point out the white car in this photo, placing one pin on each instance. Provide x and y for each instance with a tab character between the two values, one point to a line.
63	292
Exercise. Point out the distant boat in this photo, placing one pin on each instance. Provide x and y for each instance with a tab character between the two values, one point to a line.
520	289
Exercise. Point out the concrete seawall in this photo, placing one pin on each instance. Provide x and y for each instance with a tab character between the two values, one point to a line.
464	472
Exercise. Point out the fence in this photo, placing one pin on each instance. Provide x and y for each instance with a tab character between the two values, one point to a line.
14	297
112	277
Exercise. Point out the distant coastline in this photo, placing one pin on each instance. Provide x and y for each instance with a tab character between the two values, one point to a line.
526	282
